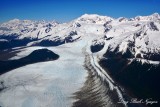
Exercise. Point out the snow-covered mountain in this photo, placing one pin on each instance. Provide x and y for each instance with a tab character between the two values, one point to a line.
25	27
127	49
136	37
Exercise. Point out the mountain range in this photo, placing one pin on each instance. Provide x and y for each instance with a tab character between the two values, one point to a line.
128	49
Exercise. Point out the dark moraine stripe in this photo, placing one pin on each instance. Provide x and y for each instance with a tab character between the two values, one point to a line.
95	92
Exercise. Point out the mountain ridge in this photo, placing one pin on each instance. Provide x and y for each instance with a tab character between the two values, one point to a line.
123	35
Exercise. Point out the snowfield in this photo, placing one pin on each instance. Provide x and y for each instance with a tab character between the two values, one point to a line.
45	84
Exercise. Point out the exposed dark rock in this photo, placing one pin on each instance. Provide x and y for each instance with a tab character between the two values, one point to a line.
69	37
153	26
107	28
121	19
72	33
117	54
139	80
77	25
57	41
152	56
49	25
48	29
109	38
96	47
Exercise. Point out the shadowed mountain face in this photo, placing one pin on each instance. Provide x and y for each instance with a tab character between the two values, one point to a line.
96	48
141	80
39	55
11	41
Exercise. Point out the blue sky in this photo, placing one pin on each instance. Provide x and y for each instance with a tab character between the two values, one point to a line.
66	10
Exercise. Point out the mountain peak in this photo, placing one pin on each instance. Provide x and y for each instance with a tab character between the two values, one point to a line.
153	16
94	18
90	15
14	20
